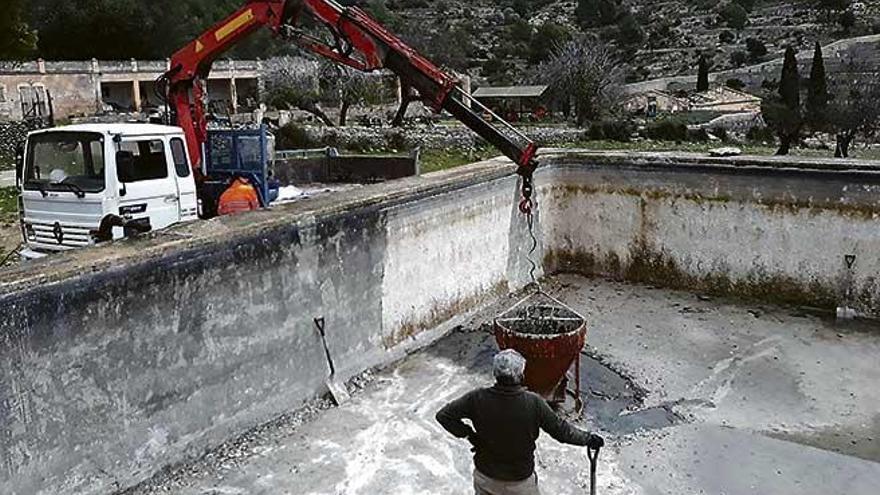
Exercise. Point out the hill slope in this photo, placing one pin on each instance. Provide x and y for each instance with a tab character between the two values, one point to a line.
499	39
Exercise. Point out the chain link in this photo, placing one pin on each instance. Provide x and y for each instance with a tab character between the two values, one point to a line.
533	268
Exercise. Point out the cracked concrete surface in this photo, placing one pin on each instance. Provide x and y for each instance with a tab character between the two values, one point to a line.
768	400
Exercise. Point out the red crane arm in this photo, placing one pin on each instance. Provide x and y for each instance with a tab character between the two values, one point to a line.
191	65
361	43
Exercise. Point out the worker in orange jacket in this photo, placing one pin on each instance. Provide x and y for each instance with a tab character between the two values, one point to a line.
238	198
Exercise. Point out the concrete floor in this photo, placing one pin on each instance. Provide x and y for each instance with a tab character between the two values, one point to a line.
694	396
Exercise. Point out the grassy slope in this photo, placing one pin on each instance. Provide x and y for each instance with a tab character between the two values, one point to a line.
9	233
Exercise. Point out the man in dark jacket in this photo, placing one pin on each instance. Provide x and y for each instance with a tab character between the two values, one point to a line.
507	420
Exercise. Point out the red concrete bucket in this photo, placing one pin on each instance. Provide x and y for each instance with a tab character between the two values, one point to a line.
550	335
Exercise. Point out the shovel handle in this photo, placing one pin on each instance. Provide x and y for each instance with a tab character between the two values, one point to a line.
593	455
319	323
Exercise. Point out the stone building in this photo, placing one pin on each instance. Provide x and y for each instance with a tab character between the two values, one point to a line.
654	101
721	99
725	100
92	87
514	102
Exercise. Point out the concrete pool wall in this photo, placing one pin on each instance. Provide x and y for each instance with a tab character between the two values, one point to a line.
772	229
117	361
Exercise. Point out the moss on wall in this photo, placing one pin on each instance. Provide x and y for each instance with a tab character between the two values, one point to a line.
645	263
650	267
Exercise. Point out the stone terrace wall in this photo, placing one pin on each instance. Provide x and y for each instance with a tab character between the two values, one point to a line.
13	135
438	137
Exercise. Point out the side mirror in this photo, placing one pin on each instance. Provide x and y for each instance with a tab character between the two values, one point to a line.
19	166
124	169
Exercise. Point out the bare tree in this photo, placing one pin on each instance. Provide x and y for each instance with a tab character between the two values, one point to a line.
407	96
349	87
854	109
294	83
586	72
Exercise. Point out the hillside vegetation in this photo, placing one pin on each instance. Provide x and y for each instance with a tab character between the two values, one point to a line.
499	39
494	40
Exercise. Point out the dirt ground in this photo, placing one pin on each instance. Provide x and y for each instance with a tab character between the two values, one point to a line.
10	235
694	396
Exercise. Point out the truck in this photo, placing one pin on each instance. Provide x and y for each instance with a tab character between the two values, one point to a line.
86	184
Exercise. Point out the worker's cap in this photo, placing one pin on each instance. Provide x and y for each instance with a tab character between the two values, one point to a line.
509	367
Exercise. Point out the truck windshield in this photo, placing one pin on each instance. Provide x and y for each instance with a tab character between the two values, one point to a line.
65	161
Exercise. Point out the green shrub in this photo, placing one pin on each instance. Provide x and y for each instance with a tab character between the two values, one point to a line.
397	141
698	135
756	48
611	129
735	16
735	83
667	129
760	135
361	144
294	137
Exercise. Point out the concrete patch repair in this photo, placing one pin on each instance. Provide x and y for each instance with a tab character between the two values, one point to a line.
187	362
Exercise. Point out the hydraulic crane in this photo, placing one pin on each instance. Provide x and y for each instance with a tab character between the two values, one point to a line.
358	41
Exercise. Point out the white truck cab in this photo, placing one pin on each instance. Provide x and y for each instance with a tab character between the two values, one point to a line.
83	184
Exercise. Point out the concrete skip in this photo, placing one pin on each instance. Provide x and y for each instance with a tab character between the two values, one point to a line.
117	361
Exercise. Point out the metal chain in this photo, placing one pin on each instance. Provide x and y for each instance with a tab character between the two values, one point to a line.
530	220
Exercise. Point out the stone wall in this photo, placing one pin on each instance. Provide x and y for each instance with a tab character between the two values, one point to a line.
436	137
13	135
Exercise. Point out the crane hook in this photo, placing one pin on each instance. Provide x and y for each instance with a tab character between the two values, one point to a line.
525	206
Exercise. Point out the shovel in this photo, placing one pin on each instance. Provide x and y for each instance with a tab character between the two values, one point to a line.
593	454
337	390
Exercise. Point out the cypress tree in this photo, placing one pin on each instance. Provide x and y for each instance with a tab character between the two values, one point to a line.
817	93
786	113
703	75
790	83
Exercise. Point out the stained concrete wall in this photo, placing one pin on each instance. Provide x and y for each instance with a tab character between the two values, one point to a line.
71	93
117	361
773	229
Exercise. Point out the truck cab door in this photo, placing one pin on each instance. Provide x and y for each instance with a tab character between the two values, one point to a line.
147	182
188	203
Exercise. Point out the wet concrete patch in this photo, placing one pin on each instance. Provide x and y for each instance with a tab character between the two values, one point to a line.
612	402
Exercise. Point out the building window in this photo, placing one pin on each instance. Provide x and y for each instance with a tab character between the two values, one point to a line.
34	102
2	93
